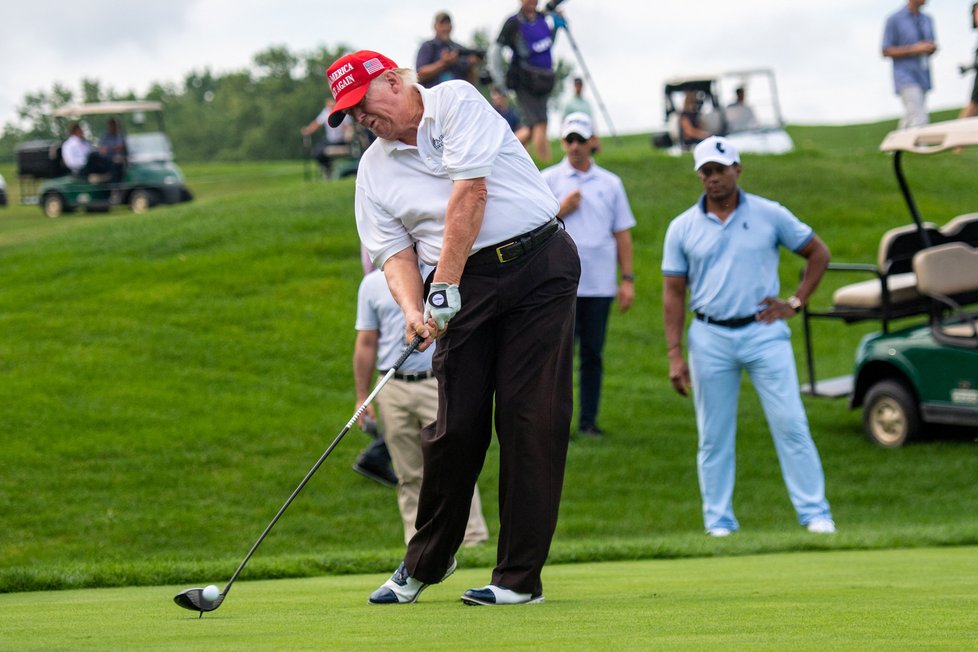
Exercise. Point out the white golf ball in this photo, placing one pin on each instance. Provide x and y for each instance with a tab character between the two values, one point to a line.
210	593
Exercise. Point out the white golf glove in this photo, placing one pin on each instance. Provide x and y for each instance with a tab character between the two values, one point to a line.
443	303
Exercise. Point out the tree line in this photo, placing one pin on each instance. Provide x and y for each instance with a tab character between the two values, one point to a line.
250	114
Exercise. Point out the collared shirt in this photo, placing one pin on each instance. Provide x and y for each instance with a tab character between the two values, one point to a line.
731	266
403	190
603	212
378	311
75	152
906	28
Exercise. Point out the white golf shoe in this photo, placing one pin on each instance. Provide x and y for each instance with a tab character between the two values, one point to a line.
821	525
401	588
492	595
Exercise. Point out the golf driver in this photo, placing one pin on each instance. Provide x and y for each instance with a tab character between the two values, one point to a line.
194	599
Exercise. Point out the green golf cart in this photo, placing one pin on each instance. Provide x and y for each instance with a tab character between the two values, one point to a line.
914	378
148	177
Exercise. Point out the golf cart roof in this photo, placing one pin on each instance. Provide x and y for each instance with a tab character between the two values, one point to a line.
104	108
930	139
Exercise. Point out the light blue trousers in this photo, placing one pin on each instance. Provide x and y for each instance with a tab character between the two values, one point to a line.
717	355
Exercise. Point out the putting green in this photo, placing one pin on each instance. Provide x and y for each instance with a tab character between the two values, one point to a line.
852	599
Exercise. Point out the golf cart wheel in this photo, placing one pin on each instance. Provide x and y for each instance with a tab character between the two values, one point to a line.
53	205
141	200
890	414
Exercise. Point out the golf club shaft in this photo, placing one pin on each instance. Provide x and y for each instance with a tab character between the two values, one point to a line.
356	415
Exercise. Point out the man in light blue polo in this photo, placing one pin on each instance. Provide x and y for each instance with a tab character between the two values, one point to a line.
908	39
725	251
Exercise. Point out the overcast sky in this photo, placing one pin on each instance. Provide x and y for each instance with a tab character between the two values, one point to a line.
826	55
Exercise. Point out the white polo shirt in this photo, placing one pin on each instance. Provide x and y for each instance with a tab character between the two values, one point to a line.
75	152
731	266
603	212
402	190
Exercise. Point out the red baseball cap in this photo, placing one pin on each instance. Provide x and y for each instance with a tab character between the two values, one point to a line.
350	76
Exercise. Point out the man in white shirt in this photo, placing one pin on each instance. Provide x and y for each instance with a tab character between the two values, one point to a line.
447	181
80	156
595	211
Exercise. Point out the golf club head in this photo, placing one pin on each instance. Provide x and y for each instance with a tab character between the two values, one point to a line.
194	600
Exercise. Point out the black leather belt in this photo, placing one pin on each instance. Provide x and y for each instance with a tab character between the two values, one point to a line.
413	376
736	322
510	250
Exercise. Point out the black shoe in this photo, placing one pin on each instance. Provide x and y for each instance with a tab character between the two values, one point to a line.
591	432
382	474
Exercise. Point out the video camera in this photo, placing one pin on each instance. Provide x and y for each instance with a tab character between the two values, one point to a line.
552	5
467	52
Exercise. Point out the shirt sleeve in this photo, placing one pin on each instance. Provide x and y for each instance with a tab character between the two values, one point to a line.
474	133
381	234
793	234
674	261
425	55
624	218
366	315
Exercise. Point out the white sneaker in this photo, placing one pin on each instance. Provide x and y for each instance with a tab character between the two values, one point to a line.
821	525
492	595
719	532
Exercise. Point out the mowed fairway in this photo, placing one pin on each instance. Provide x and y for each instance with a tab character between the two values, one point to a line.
889	599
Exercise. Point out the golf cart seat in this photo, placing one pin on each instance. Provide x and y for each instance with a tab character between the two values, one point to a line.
948	274
893	292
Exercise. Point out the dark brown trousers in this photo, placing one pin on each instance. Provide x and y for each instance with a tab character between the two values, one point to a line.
510	347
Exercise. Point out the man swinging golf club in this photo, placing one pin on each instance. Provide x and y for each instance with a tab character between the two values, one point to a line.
447	181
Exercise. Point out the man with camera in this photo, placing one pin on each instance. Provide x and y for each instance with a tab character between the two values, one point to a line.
442	59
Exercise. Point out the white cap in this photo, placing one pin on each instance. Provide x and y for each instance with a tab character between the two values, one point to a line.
577	123
715	149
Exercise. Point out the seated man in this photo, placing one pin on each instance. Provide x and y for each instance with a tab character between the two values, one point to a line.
740	117
80	156
112	146
336	141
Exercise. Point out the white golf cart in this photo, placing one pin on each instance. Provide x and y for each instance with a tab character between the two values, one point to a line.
741	105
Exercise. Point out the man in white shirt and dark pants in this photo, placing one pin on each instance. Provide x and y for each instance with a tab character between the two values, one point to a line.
448	182
595	211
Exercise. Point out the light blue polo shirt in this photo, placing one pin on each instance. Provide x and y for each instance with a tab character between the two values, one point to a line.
904	28
731	266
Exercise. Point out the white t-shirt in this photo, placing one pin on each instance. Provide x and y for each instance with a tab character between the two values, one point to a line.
402	190
334	135
603	212
75	152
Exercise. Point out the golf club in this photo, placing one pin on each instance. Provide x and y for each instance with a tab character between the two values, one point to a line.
194	599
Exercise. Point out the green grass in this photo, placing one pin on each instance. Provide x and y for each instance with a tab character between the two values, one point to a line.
167	379
880	600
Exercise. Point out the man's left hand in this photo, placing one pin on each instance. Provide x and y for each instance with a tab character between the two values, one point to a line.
443	303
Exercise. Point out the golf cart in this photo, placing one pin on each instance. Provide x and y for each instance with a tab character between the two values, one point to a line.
148	176
741	105
925	373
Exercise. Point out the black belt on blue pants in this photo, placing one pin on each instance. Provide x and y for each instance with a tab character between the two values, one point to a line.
736	322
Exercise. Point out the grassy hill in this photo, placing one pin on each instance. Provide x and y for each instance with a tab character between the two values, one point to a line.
167	379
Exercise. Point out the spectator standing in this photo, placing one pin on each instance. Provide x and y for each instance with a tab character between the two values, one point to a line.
530	38
725	251
577	103
595	211
408	403
441	58
908	39
971	108
446	181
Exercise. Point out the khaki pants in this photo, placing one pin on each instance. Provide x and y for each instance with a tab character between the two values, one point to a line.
405	408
